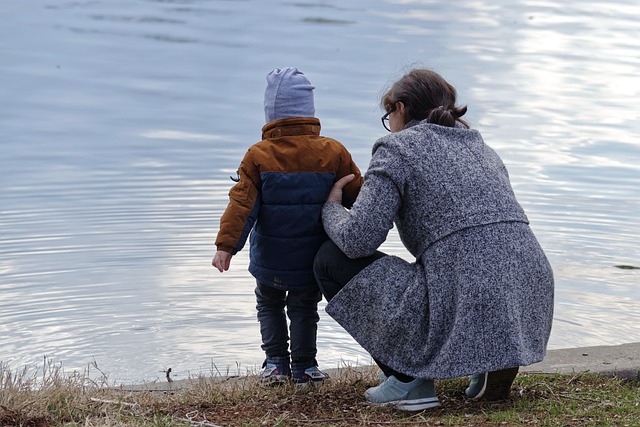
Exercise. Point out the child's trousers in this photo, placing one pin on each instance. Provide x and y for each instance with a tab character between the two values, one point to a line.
302	310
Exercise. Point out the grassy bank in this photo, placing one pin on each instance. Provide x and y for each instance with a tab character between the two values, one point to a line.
54	399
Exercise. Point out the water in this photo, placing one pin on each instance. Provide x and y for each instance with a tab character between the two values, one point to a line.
122	121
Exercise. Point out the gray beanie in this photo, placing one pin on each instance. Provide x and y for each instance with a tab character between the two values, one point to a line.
288	94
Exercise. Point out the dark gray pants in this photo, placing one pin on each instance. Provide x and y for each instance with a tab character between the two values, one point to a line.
302	310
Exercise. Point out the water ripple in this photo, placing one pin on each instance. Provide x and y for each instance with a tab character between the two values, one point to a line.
127	120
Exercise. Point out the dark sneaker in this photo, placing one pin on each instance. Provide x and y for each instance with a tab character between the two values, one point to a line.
494	385
276	370
416	395
309	375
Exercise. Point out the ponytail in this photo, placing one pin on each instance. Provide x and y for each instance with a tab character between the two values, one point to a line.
444	116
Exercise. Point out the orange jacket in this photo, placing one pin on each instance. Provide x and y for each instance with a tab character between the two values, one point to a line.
284	181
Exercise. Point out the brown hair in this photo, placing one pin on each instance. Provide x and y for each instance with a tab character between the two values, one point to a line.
425	95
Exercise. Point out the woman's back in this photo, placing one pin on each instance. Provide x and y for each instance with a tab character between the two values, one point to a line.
448	179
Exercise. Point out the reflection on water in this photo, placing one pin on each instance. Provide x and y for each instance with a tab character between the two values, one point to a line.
124	121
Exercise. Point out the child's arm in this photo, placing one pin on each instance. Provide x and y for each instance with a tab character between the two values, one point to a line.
222	261
240	215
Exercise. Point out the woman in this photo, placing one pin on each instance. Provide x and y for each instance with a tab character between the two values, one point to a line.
478	300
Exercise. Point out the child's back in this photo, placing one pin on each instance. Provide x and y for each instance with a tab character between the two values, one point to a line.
283	183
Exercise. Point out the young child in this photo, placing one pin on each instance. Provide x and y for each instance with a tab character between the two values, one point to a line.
284	181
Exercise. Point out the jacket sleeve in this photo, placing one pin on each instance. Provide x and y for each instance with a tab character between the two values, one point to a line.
351	190
241	213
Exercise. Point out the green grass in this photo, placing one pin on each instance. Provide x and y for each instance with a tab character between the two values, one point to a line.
54	399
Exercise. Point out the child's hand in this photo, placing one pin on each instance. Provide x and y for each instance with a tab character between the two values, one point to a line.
336	191
221	260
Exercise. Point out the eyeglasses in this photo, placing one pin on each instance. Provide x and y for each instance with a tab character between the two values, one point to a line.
385	120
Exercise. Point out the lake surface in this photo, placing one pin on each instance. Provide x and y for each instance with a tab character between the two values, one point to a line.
122	121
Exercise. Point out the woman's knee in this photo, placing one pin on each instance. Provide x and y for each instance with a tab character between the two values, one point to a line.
320	260
324	266
327	251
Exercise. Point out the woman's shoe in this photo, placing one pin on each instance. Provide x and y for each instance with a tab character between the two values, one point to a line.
416	395
494	385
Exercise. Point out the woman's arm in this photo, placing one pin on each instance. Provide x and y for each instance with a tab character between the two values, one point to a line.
360	231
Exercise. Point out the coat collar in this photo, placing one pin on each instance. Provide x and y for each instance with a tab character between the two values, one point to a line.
293	126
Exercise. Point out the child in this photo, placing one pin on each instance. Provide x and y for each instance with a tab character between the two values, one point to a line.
283	183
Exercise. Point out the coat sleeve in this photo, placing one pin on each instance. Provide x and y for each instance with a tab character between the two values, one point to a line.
351	190
241	213
360	231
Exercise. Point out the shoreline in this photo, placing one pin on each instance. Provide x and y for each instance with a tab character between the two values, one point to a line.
622	360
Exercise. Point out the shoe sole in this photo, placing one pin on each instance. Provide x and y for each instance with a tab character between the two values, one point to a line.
497	385
275	380
308	382
417	404
411	405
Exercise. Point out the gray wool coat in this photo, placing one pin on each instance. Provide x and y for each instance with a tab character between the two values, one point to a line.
479	296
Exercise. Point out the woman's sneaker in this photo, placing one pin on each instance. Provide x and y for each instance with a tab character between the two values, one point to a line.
309	375
494	385
416	395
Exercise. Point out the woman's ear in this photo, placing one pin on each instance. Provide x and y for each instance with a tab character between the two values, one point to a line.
401	113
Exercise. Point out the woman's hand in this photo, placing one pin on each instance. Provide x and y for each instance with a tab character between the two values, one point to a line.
221	260
335	195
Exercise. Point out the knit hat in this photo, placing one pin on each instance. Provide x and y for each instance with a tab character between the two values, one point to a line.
288	94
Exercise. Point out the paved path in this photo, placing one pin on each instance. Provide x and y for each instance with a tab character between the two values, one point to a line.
619	360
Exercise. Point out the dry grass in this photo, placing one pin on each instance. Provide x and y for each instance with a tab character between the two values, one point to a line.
54	399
